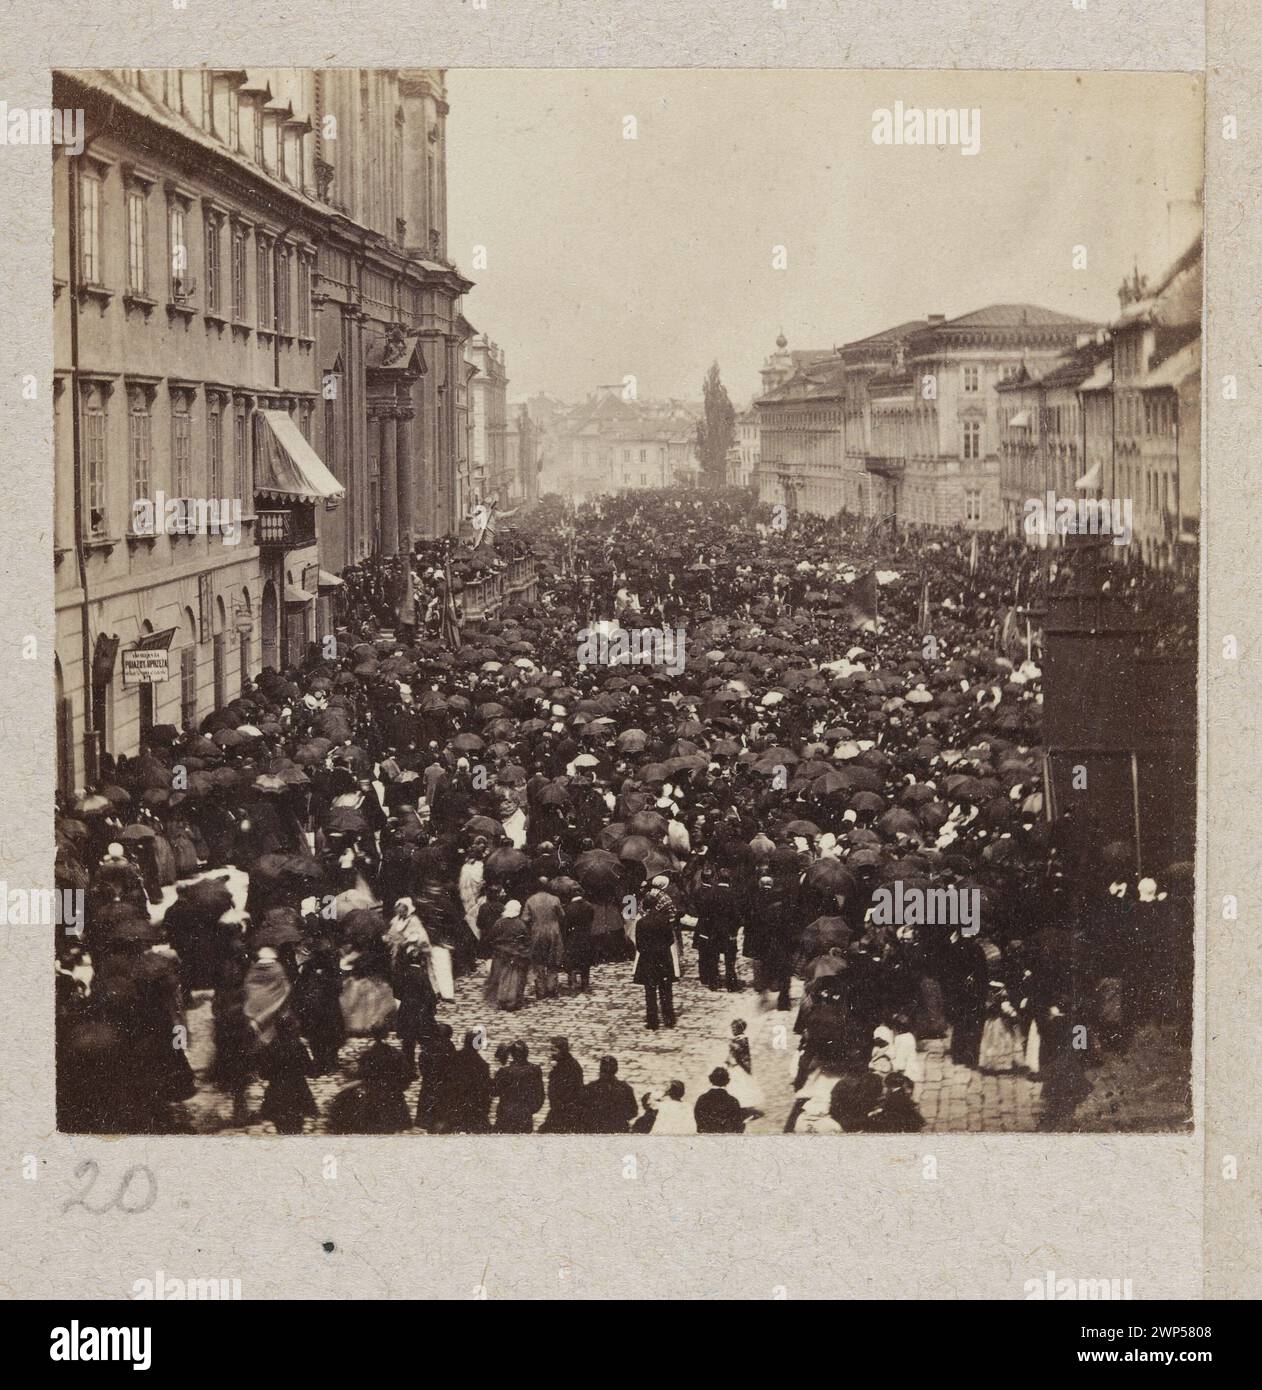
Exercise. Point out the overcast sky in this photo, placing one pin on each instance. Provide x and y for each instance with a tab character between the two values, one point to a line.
652	257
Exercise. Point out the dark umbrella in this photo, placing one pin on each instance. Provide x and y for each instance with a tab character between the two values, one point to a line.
303	866
209	895
504	863
830	876
345	820
899	821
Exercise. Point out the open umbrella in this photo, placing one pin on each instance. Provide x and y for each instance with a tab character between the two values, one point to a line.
612	835
647	823
898	821
504	863
830	876
345	820
132	834
211	896
303	866
821	934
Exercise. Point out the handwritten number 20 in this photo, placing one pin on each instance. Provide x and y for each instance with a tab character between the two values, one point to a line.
124	1198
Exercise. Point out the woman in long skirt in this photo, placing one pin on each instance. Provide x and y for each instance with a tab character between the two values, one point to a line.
1002	1046
510	960
547	951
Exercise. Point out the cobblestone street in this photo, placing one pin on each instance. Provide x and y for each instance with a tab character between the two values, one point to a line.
611	1021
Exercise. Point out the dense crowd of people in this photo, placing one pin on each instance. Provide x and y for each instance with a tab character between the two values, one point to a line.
858	712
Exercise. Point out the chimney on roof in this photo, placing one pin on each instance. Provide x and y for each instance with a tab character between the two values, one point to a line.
937	318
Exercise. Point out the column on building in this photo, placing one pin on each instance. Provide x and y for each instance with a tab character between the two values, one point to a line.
389	483
403	417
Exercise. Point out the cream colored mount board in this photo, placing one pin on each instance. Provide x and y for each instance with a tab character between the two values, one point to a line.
880	380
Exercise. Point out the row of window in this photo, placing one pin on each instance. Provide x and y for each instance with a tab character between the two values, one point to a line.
282	274
230	426
1147	414
971	376
213	101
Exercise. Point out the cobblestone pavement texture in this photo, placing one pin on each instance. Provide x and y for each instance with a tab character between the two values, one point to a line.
610	1020
1144	1089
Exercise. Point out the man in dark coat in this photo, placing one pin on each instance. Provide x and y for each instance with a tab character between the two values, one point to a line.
654	961
565	1092
437	1058
467	1102
966	989
716	931
576	935
717	1111
608	1104
519	1086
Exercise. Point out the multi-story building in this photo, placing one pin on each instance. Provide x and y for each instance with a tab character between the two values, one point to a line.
523	453
802	440
1118	417
468	484
488	406
390	336
185	237
748	450
935	425
613	441
252	304
1156	408
868	493
1042	433
902	422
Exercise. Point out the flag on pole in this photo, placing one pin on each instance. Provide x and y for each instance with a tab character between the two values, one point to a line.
861	599
925	622
877	523
406	610
972	555
450	620
1010	635
485	514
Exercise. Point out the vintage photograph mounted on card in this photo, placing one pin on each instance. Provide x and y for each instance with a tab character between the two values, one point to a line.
625	601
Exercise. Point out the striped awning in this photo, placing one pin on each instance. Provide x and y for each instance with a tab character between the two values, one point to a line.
288	466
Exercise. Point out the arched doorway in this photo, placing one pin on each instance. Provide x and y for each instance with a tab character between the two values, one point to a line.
144	697
219	653
188	671
271	632
245	620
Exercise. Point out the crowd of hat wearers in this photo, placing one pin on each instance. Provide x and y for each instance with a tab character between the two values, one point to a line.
414	817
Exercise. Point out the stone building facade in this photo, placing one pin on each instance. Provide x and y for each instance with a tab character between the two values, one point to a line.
253	307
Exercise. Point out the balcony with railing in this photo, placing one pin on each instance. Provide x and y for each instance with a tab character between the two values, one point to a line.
884	466
286	528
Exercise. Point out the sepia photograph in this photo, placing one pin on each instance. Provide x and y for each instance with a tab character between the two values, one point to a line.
628	601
